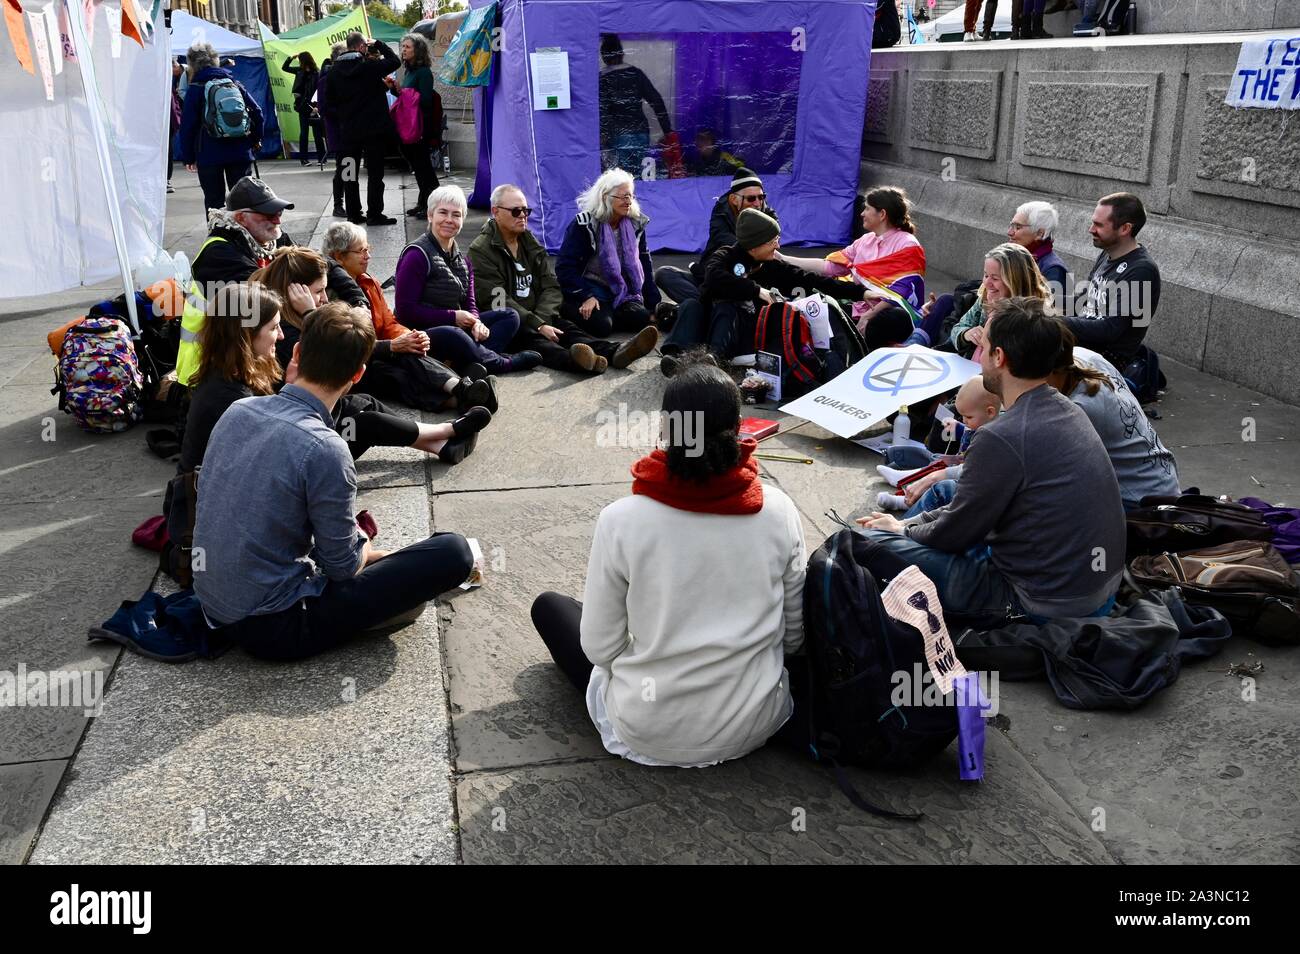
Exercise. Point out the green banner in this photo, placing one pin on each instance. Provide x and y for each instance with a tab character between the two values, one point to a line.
316	39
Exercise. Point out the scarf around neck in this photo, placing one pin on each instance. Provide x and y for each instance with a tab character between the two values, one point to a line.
620	261
1040	247
736	492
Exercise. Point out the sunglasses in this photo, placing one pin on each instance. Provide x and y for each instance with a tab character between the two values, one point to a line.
754	199
518	212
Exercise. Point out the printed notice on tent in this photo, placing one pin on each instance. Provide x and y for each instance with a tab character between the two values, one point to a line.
550	69
879	385
1267	74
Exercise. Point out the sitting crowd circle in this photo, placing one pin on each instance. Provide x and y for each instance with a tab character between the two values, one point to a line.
290	353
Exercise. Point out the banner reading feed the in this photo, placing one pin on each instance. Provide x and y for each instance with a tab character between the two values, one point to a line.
318	45
1267	74
879	385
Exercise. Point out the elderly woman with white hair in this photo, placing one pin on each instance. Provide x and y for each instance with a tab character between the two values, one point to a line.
434	292
1032	226
400	367
604	265
224	155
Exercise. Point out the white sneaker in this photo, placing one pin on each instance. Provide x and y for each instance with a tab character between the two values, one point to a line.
892	476
887	501
969	38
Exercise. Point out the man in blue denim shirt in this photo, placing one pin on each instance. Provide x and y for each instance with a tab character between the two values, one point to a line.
284	564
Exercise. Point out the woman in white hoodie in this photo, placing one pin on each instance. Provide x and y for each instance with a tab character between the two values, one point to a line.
694	594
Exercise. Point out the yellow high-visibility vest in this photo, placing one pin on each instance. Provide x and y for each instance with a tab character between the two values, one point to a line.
187	353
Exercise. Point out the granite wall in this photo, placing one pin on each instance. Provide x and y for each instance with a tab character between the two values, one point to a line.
973	130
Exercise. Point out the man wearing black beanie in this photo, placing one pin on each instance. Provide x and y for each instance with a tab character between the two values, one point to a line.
746	192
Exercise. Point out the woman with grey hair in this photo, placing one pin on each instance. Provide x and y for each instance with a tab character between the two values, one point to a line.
400	367
604	264
1032	226
434	291
221	126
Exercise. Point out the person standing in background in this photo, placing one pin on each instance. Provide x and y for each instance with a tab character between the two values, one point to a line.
306	79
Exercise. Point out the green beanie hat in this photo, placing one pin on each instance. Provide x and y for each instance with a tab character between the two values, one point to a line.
755	228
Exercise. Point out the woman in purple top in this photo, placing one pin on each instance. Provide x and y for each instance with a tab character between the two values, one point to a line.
434	291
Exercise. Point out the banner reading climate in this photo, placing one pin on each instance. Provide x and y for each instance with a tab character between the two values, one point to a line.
316	39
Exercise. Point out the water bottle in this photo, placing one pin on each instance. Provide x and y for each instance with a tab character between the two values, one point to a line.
902	426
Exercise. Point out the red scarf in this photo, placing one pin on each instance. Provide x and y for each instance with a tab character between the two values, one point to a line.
738	491
1039	247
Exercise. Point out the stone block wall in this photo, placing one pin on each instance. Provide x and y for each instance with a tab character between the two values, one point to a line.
975	130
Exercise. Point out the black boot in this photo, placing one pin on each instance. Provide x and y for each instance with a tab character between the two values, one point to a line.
1017	16
1038	32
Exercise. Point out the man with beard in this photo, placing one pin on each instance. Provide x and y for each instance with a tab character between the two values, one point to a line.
1036	526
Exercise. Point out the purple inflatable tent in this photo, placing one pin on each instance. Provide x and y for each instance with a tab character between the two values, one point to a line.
780	84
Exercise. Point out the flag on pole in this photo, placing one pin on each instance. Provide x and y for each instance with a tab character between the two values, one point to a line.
18	34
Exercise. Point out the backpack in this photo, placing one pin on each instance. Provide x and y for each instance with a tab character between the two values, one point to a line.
225	114
854	649
97	377
180	507
1144	377
1117	17
782	330
887	30
1191	522
1247	581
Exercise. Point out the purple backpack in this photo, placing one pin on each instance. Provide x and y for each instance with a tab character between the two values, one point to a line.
1285	522
98	379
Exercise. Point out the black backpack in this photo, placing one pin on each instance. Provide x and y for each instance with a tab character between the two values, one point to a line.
1144	377
1191	522
854	648
887	30
180	508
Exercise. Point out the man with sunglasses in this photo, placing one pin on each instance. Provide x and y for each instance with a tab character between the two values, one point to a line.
746	192
512	270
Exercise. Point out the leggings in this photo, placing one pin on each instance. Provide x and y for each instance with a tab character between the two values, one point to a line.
364	423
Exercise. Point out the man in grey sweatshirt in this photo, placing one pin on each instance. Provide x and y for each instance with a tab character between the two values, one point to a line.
1036	525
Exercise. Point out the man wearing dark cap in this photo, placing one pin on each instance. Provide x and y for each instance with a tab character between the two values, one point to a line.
242	236
624	132
746	192
739	280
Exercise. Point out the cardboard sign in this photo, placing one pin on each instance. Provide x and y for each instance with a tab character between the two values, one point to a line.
879	385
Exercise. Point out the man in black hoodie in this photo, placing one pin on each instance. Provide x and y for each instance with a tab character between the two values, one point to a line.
359	98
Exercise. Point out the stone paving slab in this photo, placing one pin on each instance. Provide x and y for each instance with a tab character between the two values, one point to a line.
611	811
52	594
25	791
509	703
341	758
1197	776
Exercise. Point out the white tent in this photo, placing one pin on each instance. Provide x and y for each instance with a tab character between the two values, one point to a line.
188	30
50	152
